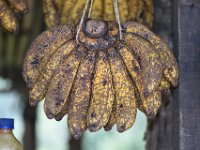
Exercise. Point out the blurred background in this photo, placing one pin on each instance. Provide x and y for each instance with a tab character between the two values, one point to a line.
32	127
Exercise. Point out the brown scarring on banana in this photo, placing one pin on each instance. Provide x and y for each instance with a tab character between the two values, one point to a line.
51	15
19	6
99	84
61	83
151	67
102	94
9	10
41	86
169	63
7	18
80	96
42	49
124	92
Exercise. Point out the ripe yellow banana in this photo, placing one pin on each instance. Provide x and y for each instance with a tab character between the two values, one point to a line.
148	13
59	6
132	9
134	69
7	18
113	117
108	10
124	92
97	9
8	11
40	88
66	11
19	6
42	49
151	104
51	15
70	11
102	95
61	83
123	10
169	63
164	87
80	96
150	63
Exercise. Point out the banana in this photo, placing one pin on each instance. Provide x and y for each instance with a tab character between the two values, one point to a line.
19	6
140	12
151	104
97	9
164	87
61	83
102	95
80	96
124	93
42	49
51	15
113	117
134	69
148	13
59	6
108	10
69	12
40	88
66	11
150	63
123	10
76	12
132	9
7	18
171	72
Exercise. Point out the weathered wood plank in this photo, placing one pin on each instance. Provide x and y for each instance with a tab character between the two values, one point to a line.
187	102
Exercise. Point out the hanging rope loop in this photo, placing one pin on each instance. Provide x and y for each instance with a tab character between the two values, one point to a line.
116	13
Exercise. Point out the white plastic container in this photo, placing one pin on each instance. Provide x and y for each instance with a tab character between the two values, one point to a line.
7	139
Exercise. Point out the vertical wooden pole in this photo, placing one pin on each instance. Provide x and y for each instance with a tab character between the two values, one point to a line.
187	97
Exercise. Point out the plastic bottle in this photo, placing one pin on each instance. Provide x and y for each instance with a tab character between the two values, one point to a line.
7	140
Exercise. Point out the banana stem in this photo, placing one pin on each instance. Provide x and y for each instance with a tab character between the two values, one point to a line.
82	19
116	10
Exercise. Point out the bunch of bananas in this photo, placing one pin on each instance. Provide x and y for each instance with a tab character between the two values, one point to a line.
99	80
9	11
69	11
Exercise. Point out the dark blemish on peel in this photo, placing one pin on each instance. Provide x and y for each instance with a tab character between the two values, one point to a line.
121	106
35	61
93	114
136	69
104	82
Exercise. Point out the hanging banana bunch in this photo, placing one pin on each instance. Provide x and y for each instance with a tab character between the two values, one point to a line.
9	12
99	73
70	11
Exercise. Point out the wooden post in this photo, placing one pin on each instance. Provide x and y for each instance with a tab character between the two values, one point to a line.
187	97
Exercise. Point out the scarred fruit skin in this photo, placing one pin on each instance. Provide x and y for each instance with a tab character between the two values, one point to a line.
8	11
41	49
170	66
80	96
61	83
124	92
102	97
99	82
